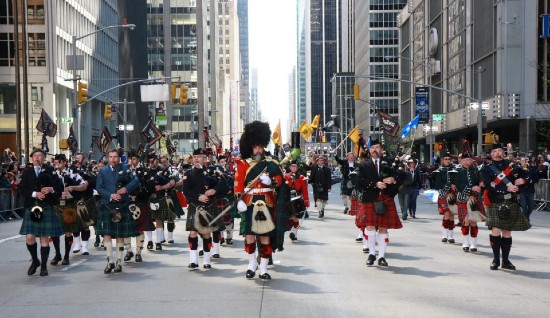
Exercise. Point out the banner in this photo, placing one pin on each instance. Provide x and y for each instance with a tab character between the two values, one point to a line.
315	122
46	125
388	124
276	137
104	140
151	133
422	102
305	130
71	140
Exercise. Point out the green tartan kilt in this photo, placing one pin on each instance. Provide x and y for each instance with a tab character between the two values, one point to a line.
344	190
516	222
74	227
165	212
48	226
126	227
212	209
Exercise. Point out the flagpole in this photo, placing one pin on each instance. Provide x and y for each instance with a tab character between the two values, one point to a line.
341	143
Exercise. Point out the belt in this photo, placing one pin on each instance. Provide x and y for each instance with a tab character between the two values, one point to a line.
258	190
502	197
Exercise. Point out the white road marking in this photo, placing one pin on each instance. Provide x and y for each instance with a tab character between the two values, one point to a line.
10	238
73	265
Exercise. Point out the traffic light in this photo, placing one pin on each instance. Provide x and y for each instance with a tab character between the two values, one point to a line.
356	92
82	92
183	94
173	91
107	114
438	146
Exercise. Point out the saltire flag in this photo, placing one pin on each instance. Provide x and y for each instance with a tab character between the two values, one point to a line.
151	133
410	126
71	140
315	122
388	124
369	143
46	125
276	136
305	130
104	140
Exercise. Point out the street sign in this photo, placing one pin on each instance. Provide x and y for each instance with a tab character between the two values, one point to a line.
67	120
438	117
128	127
484	105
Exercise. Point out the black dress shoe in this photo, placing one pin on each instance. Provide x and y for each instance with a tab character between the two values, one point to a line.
321	214
404	217
292	237
506	264
382	262
158	247
459	224
138	258
307	215
466	249
109	268
192	266
250	274
451	241
370	260
163	241
150	245
229	241
118	267
359	240
444	240
207	266
170	241
265	276
55	260
346	210
128	256
495	264
270	261
473	249
366	250
201	253
86	253
65	261
43	272
215	255
32	269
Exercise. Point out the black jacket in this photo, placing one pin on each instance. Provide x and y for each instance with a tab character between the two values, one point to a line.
31	183
368	177
321	176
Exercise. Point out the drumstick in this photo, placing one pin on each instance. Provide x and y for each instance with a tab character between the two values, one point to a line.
234	203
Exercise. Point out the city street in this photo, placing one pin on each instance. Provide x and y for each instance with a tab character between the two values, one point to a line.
323	274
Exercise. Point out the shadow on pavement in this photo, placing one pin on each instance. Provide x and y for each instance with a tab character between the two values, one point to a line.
414	271
289	286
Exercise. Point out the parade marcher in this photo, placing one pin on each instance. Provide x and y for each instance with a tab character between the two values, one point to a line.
469	205
502	180
228	219
298	184
378	183
405	190
527	191
256	178
41	190
346	186
321	180
415	172
74	187
201	192
446	202
114	183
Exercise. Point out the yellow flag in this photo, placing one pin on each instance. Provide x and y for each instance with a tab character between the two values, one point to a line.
305	130
163	147
276	136
315	122
354	135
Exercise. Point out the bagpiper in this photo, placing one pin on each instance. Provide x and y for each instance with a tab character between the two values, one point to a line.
446	202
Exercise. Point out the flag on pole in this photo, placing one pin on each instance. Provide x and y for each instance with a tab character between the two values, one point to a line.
71	140
276	136
354	135
369	143
410	126
315	122
305	130
104	140
46	125
151	133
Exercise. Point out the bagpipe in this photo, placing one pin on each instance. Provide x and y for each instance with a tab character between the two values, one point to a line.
46	178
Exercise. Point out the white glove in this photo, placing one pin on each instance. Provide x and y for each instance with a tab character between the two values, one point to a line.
265	179
241	206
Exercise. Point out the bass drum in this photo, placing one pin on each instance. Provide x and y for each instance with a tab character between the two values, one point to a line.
296	207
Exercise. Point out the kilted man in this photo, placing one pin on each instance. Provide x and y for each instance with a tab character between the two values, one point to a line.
114	182
502	179
256	179
298	205
321	181
74	187
446	201
469	206
201	192
378	182
41	190
346	186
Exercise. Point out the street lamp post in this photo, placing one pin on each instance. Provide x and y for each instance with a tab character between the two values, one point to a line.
75	77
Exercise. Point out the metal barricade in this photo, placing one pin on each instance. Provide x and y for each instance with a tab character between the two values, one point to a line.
11	204
542	194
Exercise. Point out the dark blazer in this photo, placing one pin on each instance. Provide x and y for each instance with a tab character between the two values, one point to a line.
367	178
106	184
321	176
345	168
31	183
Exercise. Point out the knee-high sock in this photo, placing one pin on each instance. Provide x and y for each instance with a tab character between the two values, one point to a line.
33	251
263	265
371	241
44	253
506	245
119	250
229	231
108	249
128	243
56	240
265	253
383	242
193	254
160	235
360	233
345	200
323	204
495	242
76	243
250	249
68	243
149	235
473	236
465	235
139	243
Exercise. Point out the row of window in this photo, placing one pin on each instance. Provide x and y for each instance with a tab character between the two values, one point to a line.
36	44
35	12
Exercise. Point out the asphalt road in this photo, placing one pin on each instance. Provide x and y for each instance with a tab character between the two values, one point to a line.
323	274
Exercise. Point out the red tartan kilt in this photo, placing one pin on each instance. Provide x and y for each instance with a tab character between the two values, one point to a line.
442	206
354	206
361	217
462	210
389	220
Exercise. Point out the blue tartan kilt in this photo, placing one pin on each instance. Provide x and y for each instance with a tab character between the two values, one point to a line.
48	226
126	227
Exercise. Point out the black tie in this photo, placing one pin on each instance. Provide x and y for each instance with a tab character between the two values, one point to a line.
376	165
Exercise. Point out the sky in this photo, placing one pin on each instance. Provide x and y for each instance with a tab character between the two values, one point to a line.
272	50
